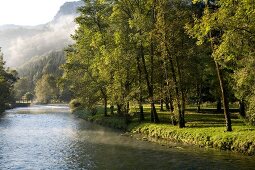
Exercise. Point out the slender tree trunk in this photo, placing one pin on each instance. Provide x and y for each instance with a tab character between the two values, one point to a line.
219	105
161	91
112	109
180	121
154	115
242	108
105	106
105	100
182	115
167	101
198	107
224	98
199	91
182	118
171	103
127	108
119	111
161	105
223	92
149	82
141	114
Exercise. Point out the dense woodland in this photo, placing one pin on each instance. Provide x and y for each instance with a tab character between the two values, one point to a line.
163	51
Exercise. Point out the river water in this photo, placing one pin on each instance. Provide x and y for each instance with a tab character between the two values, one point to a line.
50	137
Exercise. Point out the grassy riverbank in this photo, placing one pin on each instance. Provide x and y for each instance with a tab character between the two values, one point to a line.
202	129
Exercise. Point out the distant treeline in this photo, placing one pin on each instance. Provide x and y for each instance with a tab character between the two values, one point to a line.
39	80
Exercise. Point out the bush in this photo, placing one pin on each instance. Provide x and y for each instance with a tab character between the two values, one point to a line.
74	104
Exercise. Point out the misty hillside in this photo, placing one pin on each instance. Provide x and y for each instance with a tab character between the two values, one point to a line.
34	70
21	43
40	65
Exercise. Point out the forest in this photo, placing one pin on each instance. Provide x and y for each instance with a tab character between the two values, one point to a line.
175	53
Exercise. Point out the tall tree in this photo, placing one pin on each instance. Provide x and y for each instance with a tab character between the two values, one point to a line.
46	90
7	79
207	28
86	57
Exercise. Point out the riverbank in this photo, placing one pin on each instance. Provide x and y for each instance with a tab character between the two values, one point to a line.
203	130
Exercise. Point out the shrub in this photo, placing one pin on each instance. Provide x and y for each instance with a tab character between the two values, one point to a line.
74	104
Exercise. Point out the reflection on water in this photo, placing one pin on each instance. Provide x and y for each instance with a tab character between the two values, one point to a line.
49	137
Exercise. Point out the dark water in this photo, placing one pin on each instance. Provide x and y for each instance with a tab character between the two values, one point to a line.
49	137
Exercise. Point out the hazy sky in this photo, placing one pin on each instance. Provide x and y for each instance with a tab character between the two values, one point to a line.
28	12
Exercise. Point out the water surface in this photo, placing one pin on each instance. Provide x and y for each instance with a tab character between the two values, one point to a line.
50	137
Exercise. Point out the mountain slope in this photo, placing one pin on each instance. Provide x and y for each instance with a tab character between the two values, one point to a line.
21	43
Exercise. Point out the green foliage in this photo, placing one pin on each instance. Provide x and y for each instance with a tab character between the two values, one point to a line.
21	87
29	96
7	79
129	52
34	70
233	47
74	104
46	90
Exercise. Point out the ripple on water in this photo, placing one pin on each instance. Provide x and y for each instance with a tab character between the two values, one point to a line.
49	137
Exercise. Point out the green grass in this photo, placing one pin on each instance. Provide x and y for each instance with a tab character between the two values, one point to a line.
110	121
202	129
241	139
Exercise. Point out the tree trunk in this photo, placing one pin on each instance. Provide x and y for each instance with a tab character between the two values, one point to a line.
105	106
180	121
198	107
171	104
182	115
219	105
242	108
126	114
112	109
161	91
149	81
119	111
167	101
154	115
224	97
127	108
161	105
199	91
141	114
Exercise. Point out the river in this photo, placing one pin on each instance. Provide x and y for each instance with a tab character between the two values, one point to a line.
50	137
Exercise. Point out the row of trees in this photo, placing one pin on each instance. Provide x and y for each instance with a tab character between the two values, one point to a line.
7	79
143	51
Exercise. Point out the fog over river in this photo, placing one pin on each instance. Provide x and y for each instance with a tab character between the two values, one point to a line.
50	137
